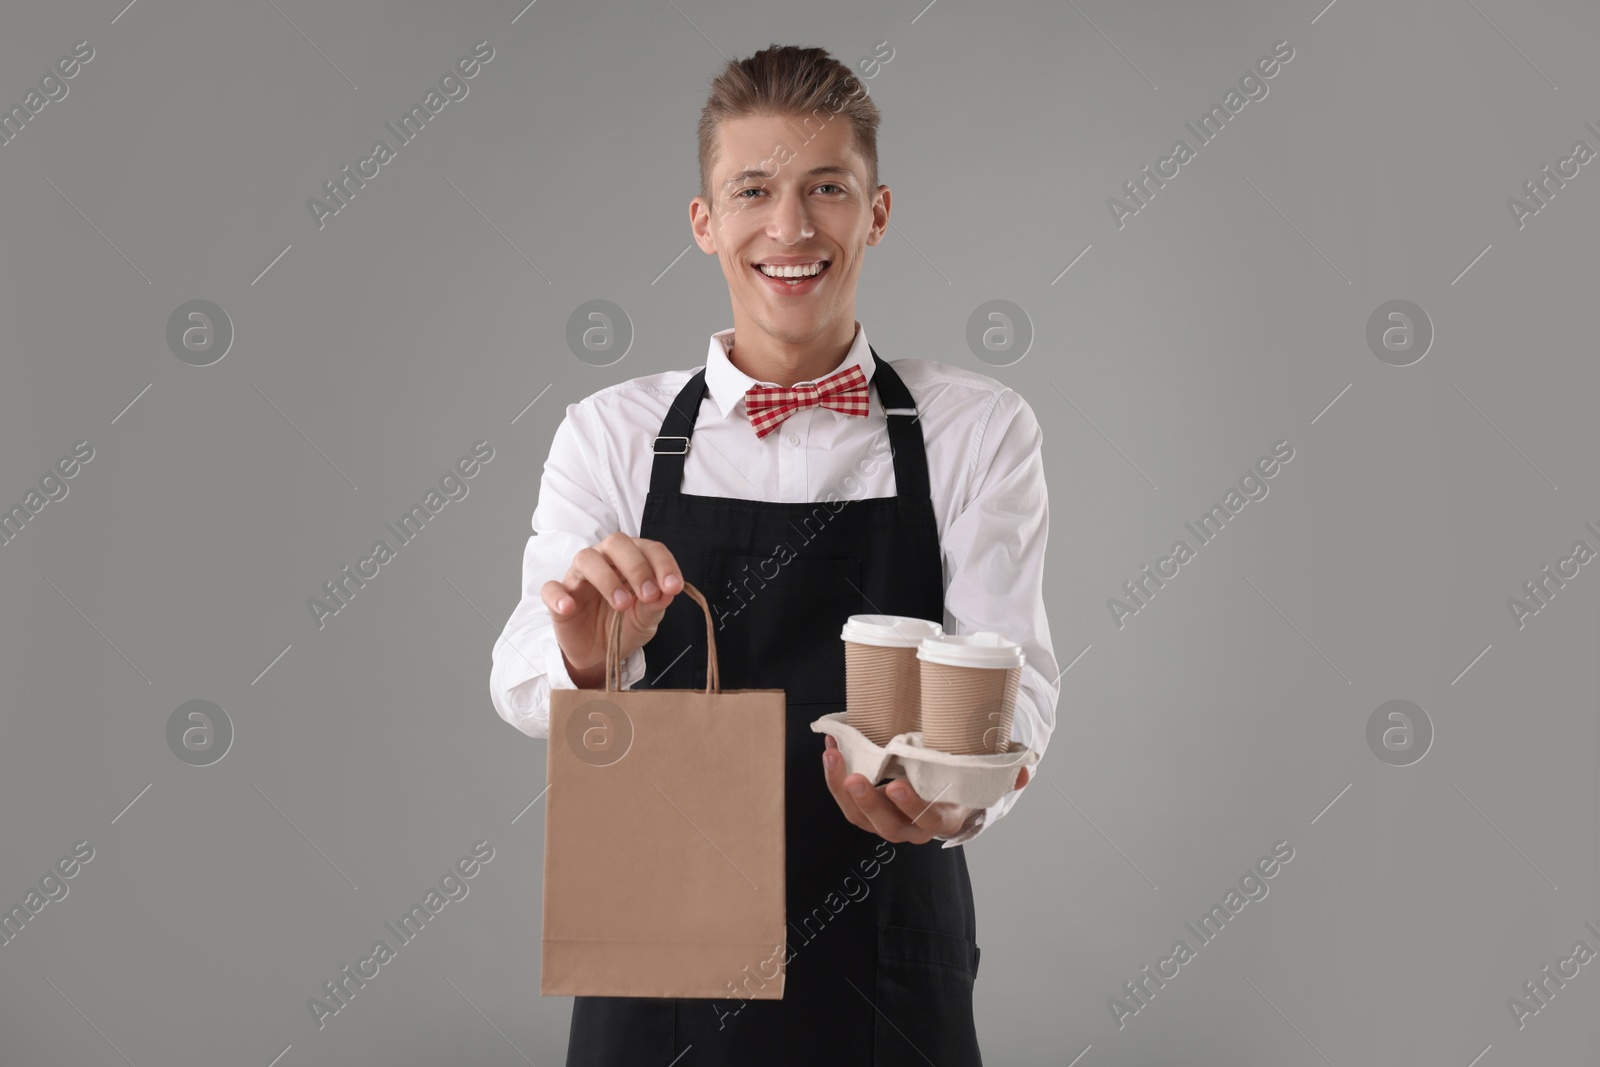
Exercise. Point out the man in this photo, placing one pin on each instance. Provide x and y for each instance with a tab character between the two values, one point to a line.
950	527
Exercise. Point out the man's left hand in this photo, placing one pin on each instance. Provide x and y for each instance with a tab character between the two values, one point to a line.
893	811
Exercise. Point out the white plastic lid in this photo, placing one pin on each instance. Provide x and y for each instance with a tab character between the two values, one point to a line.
982	649
889	631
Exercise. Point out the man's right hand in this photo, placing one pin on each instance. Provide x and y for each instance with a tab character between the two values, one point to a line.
635	576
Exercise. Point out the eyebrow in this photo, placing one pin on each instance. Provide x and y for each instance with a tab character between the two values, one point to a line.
754	172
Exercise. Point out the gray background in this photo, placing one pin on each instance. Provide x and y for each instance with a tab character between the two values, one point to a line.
1227	315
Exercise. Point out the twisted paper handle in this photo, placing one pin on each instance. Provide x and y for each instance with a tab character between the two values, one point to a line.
614	647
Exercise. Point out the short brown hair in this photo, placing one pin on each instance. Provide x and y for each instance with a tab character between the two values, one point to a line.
790	80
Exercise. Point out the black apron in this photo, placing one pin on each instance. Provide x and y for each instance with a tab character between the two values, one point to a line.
882	949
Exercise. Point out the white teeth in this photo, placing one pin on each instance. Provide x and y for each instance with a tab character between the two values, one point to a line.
802	271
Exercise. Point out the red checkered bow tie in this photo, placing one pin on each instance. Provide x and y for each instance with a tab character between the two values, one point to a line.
844	391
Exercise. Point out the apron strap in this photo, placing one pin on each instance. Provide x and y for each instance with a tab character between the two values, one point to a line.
905	434
666	470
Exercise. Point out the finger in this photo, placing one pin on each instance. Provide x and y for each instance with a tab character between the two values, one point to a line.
571	596
577	586
557	600
1023	777
887	820
834	775
593	566
932	816
662	581
627	556
668	575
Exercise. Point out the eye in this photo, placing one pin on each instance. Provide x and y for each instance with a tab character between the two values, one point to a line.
830	185
747	189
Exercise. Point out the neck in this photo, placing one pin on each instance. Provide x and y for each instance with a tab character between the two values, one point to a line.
773	359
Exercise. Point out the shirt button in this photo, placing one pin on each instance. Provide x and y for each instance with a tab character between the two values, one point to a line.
794	440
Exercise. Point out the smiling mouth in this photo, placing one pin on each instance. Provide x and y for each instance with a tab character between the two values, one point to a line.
793	275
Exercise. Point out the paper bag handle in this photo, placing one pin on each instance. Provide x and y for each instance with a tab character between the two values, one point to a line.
614	647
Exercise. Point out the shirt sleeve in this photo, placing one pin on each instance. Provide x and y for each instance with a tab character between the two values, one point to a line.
994	551
576	509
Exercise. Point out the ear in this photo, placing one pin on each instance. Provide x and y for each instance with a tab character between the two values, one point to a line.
700	225
880	215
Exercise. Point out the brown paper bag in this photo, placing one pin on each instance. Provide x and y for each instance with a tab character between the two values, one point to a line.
664	838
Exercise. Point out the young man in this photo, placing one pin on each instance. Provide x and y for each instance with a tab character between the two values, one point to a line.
936	509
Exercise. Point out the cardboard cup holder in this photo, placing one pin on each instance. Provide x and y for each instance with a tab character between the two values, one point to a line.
974	781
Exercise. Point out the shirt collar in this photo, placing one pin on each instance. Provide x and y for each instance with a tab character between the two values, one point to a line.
727	384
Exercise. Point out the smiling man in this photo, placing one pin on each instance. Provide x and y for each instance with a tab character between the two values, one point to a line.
845	484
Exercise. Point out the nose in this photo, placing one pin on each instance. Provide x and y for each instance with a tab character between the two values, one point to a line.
790	221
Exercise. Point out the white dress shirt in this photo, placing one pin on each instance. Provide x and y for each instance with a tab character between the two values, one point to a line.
985	471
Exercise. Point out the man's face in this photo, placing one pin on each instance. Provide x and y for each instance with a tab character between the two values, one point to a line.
786	193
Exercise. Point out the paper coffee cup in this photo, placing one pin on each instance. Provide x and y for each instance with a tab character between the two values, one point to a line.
882	676
969	692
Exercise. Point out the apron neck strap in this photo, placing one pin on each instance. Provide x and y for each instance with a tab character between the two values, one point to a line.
905	434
